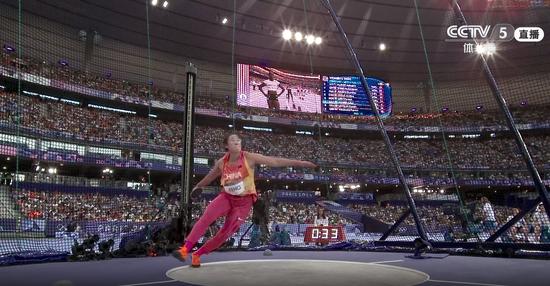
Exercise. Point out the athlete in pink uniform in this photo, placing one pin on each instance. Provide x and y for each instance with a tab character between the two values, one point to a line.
236	169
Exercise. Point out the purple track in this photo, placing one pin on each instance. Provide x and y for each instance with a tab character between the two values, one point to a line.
142	271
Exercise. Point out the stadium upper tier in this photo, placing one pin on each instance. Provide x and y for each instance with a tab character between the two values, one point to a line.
98	85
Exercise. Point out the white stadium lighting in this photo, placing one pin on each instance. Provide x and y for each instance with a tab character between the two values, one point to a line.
154	2
310	39
480	49
318	40
298	36
225	20
165	4
287	34
490	48
382	47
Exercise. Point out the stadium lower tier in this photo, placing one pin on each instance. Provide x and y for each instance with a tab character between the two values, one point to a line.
53	221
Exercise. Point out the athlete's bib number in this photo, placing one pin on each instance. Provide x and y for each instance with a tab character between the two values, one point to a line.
235	189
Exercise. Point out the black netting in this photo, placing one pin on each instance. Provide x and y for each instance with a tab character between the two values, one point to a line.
92	123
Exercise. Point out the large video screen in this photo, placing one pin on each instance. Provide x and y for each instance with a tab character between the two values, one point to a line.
278	89
345	95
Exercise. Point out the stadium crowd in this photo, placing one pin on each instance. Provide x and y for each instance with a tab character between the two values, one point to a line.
58	119
458	119
533	228
74	122
432	216
300	213
90	124
61	205
64	71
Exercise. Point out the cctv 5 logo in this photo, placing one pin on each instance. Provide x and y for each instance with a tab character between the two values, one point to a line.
468	31
501	32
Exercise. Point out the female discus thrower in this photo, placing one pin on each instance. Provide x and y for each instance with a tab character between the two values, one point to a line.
235	201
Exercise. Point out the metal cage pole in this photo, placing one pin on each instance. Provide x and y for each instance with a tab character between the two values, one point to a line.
393	156
187	156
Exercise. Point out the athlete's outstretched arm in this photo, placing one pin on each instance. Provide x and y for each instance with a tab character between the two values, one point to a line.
212	175
278	162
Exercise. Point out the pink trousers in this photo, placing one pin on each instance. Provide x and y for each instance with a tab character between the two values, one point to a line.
234	208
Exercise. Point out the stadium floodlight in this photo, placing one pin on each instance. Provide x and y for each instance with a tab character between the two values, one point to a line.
318	40
8	48
287	34
490	48
225	20
480	49
382	47
165	4
298	36
154	2
310	39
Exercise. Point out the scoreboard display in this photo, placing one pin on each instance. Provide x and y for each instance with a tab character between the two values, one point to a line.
345	95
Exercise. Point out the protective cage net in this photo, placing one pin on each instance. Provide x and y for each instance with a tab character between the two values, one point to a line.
92	123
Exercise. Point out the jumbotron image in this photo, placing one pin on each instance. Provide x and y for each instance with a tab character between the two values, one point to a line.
262	142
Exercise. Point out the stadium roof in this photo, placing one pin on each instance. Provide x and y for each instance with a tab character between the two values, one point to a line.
193	28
